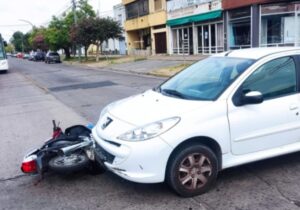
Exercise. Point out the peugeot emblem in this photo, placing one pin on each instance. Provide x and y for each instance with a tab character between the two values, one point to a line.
106	123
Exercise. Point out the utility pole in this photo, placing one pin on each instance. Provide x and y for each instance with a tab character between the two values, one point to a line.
99	8
76	23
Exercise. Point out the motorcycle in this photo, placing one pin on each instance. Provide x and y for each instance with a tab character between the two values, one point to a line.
65	152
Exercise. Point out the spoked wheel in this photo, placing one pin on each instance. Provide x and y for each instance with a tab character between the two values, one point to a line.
69	163
192	170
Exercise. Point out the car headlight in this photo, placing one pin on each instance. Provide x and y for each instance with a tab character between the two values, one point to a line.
150	130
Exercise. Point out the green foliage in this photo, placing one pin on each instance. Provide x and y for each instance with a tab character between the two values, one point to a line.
9	48
62	32
17	40
106	28
38	39
95	31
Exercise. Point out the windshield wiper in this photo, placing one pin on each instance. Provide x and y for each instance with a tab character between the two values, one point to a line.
157	89
173	93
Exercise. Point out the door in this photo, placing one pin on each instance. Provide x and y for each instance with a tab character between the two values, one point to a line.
274	122
160	43
206	45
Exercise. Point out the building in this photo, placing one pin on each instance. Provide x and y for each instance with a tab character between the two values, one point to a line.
145	26
212	26
116	46
195	26
120	16
261	23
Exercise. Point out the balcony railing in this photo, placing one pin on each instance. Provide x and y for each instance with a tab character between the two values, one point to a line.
178	4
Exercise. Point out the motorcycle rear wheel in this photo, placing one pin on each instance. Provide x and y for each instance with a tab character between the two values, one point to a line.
69	163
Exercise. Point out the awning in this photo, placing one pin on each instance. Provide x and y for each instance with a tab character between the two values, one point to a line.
195	18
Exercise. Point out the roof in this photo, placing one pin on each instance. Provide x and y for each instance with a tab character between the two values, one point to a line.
257	53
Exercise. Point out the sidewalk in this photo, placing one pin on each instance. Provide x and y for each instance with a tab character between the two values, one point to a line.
157	65
26	114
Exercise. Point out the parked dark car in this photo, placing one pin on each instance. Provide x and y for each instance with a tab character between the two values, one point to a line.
52	57
39	56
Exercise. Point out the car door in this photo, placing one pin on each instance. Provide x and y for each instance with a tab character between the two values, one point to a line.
275	121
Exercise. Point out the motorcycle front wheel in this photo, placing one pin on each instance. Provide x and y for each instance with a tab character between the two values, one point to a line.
69	163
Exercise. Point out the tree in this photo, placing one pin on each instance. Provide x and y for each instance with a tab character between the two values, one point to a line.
58	37
105	29
84	33
9	48
59	30
17	41
38	39
95	31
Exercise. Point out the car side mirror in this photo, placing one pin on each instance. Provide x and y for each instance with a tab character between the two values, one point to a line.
252	97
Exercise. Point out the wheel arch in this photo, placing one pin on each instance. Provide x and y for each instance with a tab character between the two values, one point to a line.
203	140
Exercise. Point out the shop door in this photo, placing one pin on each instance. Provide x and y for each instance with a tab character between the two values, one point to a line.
160	43
206	45
185	41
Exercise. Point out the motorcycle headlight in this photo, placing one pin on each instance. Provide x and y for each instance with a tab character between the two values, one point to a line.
150	130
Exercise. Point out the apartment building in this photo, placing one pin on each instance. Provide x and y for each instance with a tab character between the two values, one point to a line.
145	26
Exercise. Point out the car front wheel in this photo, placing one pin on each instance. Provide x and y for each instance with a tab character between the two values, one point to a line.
192	170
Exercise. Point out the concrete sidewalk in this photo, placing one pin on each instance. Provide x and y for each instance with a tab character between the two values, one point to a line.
157	65
26	113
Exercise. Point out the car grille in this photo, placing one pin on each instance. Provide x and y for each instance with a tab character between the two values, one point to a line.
103	155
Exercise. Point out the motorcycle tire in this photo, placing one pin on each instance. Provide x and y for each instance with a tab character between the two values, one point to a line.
68	163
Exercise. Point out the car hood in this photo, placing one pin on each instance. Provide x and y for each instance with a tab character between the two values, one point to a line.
152	106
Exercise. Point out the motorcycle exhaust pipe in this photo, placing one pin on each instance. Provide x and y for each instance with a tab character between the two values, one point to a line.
72	148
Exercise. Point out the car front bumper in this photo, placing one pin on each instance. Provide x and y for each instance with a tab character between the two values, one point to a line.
143	162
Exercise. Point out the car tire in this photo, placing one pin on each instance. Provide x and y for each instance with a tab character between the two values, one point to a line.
192	170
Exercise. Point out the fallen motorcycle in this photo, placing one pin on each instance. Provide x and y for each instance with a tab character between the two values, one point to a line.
65	152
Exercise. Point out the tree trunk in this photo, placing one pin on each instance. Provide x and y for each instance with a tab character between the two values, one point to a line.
67	52
85	52
97	52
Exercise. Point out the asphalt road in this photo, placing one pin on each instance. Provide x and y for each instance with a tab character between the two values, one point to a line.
269	184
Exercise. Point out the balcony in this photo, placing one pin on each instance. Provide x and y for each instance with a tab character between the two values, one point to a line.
124	2
158	18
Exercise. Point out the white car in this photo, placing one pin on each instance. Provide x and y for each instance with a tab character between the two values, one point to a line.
229	109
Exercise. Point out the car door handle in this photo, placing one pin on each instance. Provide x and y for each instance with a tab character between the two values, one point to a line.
293	107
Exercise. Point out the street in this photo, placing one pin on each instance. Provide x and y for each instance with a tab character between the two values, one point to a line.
34	93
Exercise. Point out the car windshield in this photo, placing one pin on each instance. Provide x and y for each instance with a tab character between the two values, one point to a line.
54	54
206	79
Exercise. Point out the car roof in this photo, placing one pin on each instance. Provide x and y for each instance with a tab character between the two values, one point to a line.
257	53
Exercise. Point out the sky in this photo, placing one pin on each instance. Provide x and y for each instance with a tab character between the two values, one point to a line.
39	12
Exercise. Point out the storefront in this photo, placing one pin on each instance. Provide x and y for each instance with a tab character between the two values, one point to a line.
239	28
261	23
210	38
280	24
199	33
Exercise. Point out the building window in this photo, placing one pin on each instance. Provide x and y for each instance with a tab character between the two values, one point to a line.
137	9
239	28
280	25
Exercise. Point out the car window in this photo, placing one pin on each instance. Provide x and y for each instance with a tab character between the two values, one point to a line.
273	79
206	79
54	54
